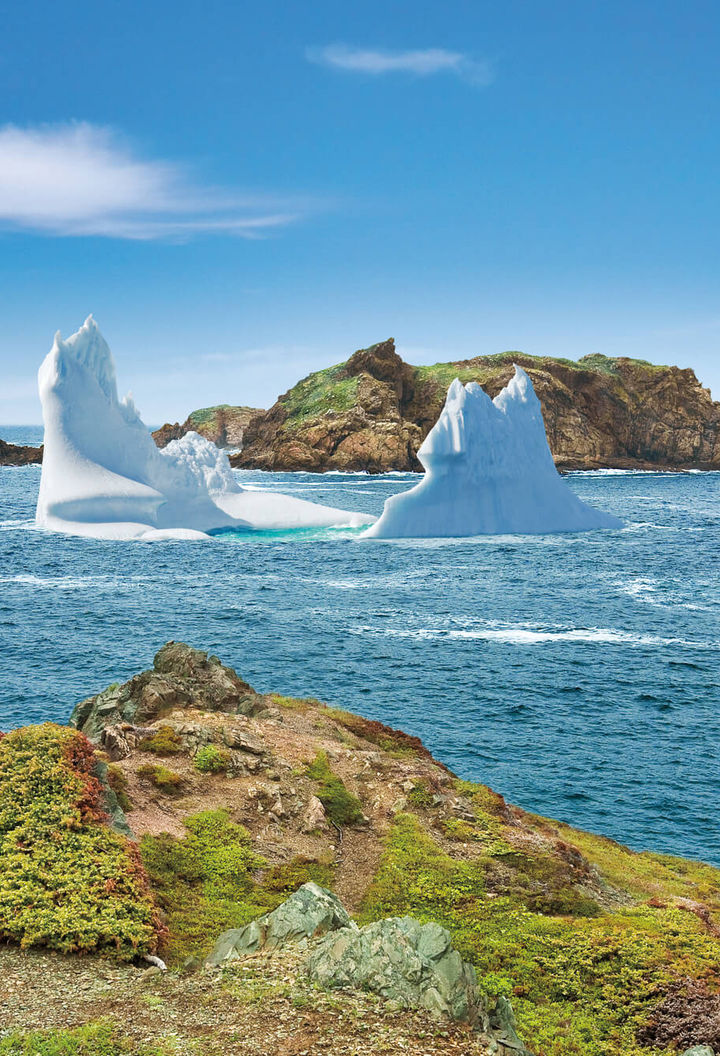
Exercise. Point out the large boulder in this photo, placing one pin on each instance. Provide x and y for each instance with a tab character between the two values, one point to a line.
404	961
310	911
699	1050
181	677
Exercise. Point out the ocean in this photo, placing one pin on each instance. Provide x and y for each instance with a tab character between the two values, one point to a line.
579	675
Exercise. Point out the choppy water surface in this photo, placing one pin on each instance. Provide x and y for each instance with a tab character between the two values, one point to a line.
579	675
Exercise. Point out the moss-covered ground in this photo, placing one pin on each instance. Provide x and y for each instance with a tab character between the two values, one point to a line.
212	880
583	963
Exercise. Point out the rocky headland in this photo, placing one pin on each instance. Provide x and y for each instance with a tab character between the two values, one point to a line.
317	882
373	412
18	455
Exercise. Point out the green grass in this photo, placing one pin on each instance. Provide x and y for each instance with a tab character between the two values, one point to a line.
207	415
66	880
204	882
326	390
213	880
92	1039
341	806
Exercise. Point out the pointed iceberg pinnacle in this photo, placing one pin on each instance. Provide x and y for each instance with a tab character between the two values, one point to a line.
103	476
489	471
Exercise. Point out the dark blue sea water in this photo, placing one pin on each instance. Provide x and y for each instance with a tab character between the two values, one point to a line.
579	675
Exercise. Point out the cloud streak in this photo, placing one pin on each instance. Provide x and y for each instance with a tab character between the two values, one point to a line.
83	180
420	63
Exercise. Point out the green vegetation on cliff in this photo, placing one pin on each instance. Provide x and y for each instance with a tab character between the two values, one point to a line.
66	880
318	393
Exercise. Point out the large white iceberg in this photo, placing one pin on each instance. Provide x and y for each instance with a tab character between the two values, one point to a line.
489	471
103	476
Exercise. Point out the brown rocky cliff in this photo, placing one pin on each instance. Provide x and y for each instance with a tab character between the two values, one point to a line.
373	412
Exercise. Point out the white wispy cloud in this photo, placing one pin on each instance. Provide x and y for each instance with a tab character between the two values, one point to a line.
81	179
420	63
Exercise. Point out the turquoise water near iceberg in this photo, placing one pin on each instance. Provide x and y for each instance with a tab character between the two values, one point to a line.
579	675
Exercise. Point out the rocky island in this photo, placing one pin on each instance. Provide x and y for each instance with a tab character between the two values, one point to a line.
373	411
265	874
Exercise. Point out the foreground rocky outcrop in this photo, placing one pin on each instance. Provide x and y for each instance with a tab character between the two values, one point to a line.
297	847
18	455
409	963
373	412
309	912
224	425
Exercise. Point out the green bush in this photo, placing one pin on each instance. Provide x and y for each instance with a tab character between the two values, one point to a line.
341	806
66	880
212	760
164	742
204	882
164	780
420	796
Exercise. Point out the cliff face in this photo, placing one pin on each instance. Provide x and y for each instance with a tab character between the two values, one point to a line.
373	412
224	425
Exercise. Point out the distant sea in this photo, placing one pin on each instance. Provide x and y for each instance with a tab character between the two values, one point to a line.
579	675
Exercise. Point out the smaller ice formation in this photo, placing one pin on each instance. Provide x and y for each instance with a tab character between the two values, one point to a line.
489	471
103	476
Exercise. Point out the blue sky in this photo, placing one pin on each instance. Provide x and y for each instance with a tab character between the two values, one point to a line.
243	192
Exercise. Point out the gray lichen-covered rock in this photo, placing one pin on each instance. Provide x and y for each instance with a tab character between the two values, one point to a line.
404	961
116	815
699	1050
182	677
504	1028
310	911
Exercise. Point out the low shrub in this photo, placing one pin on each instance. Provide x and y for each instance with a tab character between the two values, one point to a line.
212	760
161	778
66	880
581	980
291	875
420	796
341	806
165	742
